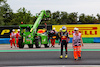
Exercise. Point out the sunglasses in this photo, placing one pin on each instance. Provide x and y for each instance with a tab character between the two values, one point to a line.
75	30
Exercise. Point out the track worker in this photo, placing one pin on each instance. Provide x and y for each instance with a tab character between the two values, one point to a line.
12	38
77	42
64	41
53	38
17	37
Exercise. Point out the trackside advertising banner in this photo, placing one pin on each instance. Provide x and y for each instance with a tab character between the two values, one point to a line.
6	30
87	30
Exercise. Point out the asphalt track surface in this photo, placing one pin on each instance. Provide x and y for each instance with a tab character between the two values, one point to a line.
13	57
38	58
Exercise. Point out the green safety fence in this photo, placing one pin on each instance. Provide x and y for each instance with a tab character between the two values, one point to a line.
85	40
88	40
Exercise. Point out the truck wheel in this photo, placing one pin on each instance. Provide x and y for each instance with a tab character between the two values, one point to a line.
46	45
30	45
38	43
20	43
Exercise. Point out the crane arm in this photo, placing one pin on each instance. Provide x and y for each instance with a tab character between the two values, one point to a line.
37	22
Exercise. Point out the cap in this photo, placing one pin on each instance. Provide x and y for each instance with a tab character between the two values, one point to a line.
53	28
13	30
18	30
76	28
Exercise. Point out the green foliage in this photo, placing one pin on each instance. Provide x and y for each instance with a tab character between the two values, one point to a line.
98	18
88	19
5	12
22	15
7	17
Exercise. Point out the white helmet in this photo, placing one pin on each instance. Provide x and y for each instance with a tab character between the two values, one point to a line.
18	30
13	30
54	28
60	29
76	28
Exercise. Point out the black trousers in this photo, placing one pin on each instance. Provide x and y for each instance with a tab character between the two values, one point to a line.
63	43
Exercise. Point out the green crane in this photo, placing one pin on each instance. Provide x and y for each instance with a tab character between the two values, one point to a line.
29	33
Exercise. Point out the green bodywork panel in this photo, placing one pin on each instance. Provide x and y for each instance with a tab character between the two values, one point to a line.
44	38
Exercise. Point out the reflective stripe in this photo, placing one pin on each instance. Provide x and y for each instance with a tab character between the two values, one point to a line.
77	48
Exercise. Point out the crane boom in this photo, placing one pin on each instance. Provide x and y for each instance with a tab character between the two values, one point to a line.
37	22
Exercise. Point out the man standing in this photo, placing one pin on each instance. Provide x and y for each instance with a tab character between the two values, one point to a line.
64	41
77	42
17	37
53	38
12	38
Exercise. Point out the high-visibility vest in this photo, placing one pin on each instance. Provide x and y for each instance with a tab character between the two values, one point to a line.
13	35
17	35
77	39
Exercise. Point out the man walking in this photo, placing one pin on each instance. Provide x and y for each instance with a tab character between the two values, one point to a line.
17	37
77	42
64	41
12	38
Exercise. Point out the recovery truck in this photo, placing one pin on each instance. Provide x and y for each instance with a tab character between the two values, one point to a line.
29	35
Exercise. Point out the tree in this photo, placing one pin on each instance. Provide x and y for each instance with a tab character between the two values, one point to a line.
73	17
22	15
7	17
5	12
98	18
55	17
87	19
1	12
82	18
64	18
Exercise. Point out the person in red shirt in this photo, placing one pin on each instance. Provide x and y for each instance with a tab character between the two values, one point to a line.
53	38
12	38
17	37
